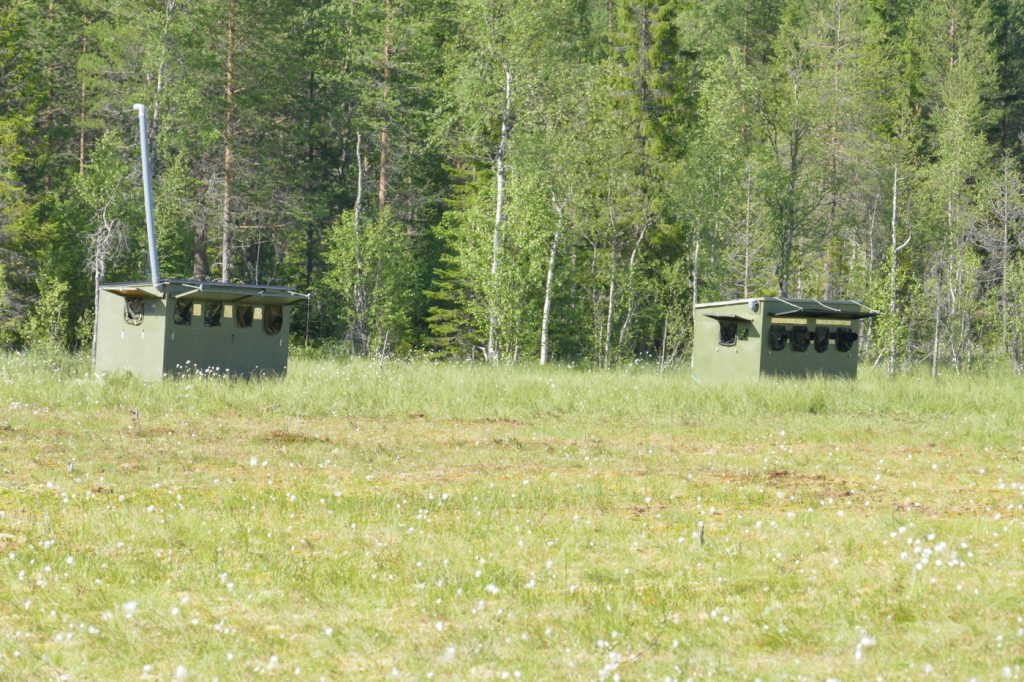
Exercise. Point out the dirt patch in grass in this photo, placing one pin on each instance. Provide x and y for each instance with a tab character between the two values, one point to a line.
286	437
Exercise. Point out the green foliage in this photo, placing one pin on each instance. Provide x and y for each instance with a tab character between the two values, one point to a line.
373	278
463	286
47	329
894	293
8	322
726	148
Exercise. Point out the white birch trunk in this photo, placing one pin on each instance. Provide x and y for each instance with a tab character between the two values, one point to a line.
360	342
549	285
746	239
499	213
229	92
608	324
631	280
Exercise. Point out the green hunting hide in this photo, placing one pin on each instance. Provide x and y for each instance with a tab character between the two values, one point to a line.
749	338
182	327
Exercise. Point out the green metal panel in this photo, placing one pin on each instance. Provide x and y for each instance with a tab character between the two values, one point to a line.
168	344
124	347
715	362
807	329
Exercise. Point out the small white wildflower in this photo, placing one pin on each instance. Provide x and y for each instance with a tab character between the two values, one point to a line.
866	642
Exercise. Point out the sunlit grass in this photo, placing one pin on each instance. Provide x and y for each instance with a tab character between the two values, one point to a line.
474	522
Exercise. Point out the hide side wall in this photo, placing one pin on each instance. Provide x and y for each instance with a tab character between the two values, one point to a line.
227	348
124	347
713	362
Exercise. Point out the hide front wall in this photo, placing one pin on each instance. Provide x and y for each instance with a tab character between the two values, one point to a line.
174	328
749	338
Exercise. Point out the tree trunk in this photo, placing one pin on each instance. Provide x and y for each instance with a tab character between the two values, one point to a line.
695	271
631	280
664	343
1004	256
98	267
229	94
311	236
200	266
831	255
790	226
382	188
893	270
168	12
935	335
549	284
608	324
746	236
597	323
830	228
499	213
81	111
360	344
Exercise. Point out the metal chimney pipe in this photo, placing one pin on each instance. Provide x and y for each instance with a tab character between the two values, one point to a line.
154	265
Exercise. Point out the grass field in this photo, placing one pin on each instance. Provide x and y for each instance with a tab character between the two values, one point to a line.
467	522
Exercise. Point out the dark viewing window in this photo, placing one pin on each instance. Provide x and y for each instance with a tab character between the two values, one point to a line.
777	336
273	319
727	332
182	312
821	336
134	310
845	338
212	314
243	316
798	339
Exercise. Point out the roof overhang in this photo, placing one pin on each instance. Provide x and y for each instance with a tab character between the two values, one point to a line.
729	318
134	290
189	290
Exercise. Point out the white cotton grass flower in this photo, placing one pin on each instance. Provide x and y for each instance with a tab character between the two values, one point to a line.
491	588
180	672
129	608
866	642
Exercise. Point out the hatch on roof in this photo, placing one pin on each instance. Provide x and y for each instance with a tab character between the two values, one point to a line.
247	295
838	310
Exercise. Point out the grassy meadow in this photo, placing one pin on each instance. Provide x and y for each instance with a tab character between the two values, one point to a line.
417	521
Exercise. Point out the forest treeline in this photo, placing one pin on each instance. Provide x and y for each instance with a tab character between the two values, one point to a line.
524	179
